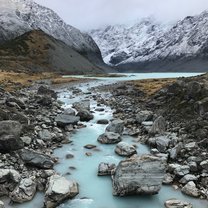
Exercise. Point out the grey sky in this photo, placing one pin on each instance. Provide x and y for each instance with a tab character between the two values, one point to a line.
88	14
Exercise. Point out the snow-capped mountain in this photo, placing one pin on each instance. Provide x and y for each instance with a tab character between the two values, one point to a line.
20	16
150	45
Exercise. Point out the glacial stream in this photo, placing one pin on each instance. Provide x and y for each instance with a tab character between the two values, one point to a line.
96	192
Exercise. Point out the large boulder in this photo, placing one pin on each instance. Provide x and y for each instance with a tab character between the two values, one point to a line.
139	175
46	135
116	126
24	192
17	101
190	189
10	136
175	203
36	159
159	126
58	190
144	116
109	138
125	149
82	105
85	115
43	90
8	179
63	120
105	169
69	111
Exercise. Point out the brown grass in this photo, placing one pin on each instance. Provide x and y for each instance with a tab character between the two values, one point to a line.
151	86
62	80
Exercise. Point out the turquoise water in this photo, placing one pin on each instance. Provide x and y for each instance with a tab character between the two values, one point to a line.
96	192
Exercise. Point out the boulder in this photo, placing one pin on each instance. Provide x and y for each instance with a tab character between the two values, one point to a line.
26	140
103	121
24	192
58	190
18	101
204	165
116	126
45	101
10	136
90	146
125	149
109	138
85	115
43	90
139	175
36	159
187	178
159	126
69	111
2	204
46	135
175	203
82	105
63	120
162	143
190	189
144	116
106	169
8	179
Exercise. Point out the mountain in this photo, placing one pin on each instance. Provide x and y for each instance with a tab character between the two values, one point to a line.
20	16
36	51
149	45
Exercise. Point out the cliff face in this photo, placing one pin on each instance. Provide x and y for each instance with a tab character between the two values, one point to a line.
152	46
36	51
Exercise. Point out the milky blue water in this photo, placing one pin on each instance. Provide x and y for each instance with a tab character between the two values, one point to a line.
96	192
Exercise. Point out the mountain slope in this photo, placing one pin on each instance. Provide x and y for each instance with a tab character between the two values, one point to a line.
152	46
36	51
20	16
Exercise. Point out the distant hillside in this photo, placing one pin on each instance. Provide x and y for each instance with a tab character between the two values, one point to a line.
36	51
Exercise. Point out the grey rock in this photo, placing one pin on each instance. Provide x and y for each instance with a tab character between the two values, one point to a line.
144	116
43	90
46	135
10	136
204	165
187	178
82	105
105	169
26	139
139	175
125	149
58	190
162	143
173	152
85	115
116	126
190	189
103	121
181	170
2	204
18	101
63	120
24	192
109	138
69	111
175	203
36	159
168	179
159	126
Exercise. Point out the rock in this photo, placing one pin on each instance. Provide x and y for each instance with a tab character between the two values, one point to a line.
58	190
36	159
187	178
46	135
162	143
179	170
85	115
103	121
100	109
175	151
190	189
106	169
88	154
24	192
26	139
69	156
19	102
2	204
159	126
139	175
82	105
45	101
10	136
204	165
42	90
109	138
116	126
69	111
191	146
168	179
8	179
125	149
144	116
175	203
90	146
63	120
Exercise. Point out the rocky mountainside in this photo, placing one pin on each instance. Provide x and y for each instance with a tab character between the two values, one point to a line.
20	16
152	46
36	51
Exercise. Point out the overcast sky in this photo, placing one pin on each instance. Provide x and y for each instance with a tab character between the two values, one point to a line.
88	14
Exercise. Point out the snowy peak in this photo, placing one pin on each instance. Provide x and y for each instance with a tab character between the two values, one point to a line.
20	16
151	41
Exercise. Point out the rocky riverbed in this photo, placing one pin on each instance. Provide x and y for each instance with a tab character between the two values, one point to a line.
33	123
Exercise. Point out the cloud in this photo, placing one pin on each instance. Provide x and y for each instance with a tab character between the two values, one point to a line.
88	14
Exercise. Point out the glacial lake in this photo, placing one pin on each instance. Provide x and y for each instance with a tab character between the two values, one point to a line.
96	192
